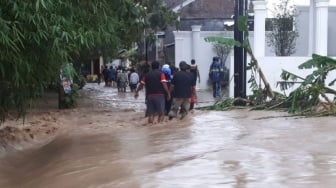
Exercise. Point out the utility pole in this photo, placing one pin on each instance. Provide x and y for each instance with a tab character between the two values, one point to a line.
239	53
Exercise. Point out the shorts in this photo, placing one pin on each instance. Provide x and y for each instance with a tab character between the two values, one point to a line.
122	85
133	86
183	103
155	104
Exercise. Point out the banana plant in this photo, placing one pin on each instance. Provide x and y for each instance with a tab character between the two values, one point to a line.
313	87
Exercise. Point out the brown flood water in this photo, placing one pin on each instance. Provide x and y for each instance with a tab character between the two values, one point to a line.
240	148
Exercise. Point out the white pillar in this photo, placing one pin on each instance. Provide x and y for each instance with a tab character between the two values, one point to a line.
196	36
259	27
196	47
179	53
321	37
101	60
311	40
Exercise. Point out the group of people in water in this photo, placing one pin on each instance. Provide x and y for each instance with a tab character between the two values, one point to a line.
120	77
169	91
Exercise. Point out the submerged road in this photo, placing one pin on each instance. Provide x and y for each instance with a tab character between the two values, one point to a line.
238	148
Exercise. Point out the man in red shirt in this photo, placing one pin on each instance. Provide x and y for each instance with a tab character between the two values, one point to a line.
156	86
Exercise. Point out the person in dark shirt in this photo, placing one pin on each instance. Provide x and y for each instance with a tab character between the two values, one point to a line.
106	73
156	86
182	87
112	76
194	70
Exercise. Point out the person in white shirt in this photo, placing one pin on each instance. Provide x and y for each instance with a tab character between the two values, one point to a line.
133	80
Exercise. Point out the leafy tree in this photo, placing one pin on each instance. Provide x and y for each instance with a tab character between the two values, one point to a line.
222	51
156	17
38	36
283	33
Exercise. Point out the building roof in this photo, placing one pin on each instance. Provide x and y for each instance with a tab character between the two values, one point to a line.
208	9
211	14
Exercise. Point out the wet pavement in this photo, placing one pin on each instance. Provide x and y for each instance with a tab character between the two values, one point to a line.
238	148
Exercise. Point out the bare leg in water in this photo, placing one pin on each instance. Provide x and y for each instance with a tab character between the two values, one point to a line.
151	119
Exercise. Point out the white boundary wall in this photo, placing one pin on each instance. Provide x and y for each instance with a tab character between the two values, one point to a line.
271	66
191	45
185	50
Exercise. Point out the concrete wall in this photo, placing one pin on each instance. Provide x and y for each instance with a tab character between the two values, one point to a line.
185	51
302	25
272	68
332	31
271	65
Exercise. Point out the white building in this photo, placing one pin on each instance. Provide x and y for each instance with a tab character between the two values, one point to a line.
316	35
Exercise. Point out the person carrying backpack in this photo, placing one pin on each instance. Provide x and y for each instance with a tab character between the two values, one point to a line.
216	73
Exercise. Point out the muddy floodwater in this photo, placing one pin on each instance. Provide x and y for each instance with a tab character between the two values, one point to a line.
107	144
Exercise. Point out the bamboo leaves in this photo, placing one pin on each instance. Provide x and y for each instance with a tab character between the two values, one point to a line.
38	36
40	3
35	38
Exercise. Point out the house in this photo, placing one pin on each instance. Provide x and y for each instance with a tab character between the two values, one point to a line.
211	14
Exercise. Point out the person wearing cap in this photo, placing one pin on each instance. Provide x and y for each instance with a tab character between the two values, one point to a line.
167	71
182	88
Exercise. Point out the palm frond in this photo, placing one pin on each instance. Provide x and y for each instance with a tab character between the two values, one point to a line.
289	80
285	75
318	61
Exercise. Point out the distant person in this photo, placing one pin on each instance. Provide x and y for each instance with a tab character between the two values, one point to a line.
216	74
193	97
133	80
106	73
156	86
194	70
182	88
112	76
145	69
193	100
100	74
118	72
122	77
